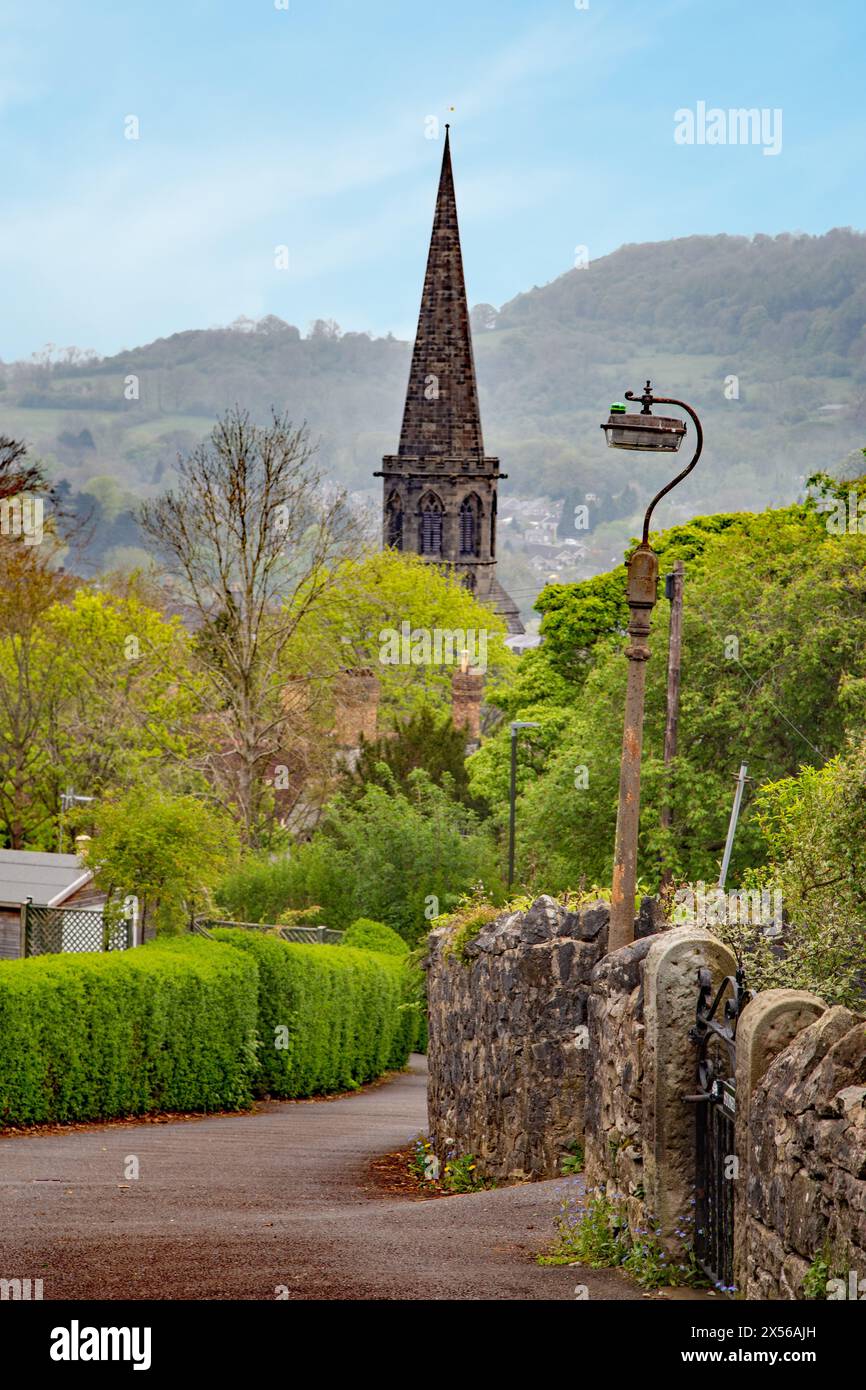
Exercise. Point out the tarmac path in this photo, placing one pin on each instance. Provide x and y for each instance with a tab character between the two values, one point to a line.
273	1204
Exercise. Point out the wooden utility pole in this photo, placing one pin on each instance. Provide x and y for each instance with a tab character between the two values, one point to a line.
673	591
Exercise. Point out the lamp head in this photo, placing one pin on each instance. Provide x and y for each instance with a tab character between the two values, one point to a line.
659	433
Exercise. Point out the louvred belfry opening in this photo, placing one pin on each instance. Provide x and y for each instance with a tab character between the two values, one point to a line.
470	509
430	531
394	522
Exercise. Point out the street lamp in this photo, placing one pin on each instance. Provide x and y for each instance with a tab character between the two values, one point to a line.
661	434
516	726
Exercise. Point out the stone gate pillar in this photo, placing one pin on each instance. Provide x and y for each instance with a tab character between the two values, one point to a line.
768	1023
671	992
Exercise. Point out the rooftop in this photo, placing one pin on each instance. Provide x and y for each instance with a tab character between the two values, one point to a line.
46	878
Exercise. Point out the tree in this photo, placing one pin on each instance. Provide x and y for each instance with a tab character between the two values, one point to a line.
253	540
127	698
365	935
815	830
94	691
30	585
168	851
325	329
87	688
17	473
427	740
774	674
373	600
397	854
31	678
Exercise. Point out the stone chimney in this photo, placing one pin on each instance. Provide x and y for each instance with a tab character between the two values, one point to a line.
357	707
467	692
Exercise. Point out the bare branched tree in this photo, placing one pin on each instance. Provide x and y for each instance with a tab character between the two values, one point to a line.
17	472
21	476
254	538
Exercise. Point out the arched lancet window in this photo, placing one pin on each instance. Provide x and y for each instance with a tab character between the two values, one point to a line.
430	525
493	528
394	522
470	525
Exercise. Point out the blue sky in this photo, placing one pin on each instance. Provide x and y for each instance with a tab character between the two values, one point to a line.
305	127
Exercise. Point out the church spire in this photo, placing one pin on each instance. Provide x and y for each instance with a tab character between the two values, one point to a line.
441	418
439	490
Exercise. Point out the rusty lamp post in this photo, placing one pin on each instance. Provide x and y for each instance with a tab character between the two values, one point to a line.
662	434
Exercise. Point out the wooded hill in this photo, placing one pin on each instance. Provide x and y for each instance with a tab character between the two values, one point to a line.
784	315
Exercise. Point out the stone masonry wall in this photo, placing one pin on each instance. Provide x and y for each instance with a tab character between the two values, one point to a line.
807	1160
507	1050
538	1039
508	1036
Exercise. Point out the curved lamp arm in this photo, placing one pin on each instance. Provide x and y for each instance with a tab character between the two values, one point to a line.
649	400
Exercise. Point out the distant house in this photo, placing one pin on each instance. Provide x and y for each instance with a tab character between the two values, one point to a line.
526	642
48	880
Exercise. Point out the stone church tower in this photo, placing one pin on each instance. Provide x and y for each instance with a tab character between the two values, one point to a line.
439	490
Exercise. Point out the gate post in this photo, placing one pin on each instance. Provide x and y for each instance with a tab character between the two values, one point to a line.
768	1023
671	986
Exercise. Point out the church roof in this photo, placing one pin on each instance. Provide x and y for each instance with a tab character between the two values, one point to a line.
504	604
441	417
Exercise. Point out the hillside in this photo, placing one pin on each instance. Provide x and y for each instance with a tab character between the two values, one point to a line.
785	315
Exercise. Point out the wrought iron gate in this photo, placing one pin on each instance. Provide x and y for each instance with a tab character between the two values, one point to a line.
715	1036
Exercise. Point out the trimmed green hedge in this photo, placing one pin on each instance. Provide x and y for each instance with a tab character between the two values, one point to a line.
374	936
368	935
167	1026
342	1011
187	1024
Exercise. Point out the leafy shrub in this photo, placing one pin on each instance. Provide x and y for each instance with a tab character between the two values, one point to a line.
190	1025
258	890
330	1017
385	853
817	1277
167	1026
815	826
374	936
169	850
